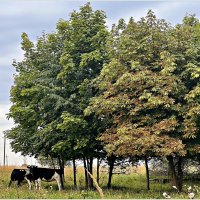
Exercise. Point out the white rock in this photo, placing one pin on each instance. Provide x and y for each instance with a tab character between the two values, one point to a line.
191	195
166	196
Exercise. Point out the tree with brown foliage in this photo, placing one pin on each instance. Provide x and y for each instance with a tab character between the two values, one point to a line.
149	90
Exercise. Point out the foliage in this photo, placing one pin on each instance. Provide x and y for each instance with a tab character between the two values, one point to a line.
145	89
132	91
53	86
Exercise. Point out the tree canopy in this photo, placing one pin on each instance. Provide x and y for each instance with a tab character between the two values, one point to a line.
145	89
53	86
130	91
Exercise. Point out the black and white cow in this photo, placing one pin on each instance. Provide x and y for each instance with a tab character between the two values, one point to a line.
17	175
38	174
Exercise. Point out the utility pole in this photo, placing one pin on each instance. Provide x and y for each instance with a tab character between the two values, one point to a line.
4	149
25	160
6	160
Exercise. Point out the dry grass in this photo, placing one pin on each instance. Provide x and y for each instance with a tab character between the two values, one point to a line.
138	170
69	170
124	187
8	169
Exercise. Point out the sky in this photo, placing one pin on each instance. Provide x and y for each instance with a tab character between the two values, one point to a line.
37	16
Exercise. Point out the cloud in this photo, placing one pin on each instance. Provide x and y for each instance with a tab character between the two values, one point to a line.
35	16
4	109
7	71
172	12
119	9
5	124
13	8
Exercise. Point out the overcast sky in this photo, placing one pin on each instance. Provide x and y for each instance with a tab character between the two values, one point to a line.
36	16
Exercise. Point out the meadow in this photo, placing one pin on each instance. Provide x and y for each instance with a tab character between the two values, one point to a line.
131	186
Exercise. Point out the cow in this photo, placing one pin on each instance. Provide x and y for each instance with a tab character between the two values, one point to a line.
38	174
17	175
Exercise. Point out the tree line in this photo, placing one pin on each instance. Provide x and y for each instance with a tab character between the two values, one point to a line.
131	92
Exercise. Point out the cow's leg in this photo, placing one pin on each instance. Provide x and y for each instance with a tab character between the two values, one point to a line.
58	180
16	183
9	184
29	183
36	184
39	184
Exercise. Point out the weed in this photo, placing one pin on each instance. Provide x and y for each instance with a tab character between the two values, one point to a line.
130	186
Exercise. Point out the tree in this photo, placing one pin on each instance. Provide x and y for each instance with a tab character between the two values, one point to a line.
144	90
52	87
185	47
82	60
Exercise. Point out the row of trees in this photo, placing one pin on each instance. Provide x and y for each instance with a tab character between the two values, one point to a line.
85	92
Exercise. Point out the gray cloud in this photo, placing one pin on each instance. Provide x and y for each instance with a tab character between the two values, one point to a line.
35	16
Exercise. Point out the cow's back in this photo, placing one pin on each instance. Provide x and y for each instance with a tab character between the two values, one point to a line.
46	174
38	174
43	173
18	174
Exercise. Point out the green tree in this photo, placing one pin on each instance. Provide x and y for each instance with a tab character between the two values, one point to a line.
53	86
82	60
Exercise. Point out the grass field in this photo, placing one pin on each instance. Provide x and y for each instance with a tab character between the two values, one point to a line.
124	187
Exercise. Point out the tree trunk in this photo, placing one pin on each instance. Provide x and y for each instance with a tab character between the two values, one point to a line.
147	173
174	178
98	166
90	165
111	161
61	165
180	174
74	172
88	168
86	175
91	171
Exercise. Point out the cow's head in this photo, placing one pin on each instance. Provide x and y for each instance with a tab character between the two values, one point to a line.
30	169
32	166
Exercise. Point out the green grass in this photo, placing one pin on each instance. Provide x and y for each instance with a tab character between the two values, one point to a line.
123	187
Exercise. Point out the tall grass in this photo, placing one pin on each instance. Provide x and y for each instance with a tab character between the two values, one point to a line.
123	187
